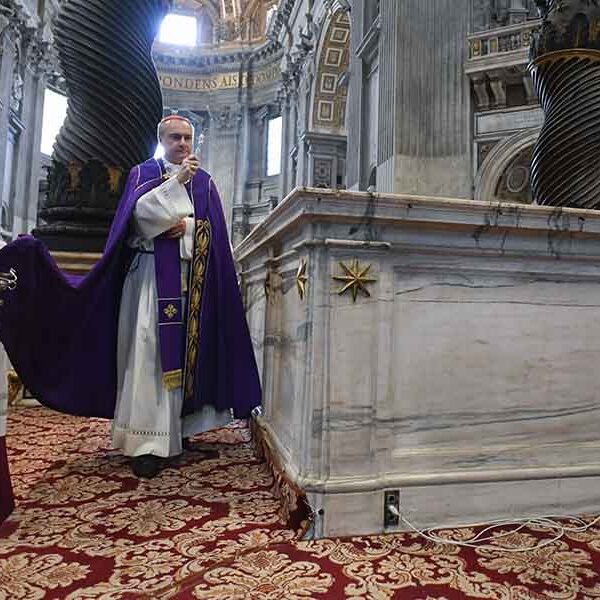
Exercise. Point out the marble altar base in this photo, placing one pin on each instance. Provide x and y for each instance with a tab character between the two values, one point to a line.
467	380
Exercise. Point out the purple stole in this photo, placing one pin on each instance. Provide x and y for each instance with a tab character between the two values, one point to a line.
171	326
167	264
179	344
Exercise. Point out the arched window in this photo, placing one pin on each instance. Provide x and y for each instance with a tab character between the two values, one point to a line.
179	30
55	112
274	141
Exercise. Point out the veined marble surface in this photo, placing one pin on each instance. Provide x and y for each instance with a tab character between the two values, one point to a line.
467	380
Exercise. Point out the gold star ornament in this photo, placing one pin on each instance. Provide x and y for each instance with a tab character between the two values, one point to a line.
302	279
355	279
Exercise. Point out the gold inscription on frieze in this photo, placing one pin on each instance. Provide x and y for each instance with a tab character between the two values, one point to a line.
219	81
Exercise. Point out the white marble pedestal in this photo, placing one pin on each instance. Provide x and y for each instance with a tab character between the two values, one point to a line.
469	380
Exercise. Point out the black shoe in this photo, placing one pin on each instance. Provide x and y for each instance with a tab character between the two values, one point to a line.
145	466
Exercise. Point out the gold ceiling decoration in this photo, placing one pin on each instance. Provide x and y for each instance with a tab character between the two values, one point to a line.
232	21
355	279
329	106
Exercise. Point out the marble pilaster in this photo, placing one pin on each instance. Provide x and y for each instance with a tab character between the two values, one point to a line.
225	131
303	125
292	161
427	150
284	185
354	173
8	55
27	181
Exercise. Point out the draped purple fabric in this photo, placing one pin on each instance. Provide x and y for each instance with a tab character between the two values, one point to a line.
60	331
7	500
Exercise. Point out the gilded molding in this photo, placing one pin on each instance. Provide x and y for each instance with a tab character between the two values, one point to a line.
302	279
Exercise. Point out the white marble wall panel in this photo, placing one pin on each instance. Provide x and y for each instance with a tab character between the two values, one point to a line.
255	301
494	373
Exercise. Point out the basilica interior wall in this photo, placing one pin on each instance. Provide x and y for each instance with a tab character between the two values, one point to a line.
27	66
372	96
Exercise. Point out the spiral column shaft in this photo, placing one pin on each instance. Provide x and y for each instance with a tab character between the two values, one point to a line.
566	159
565	68
115	99
114	106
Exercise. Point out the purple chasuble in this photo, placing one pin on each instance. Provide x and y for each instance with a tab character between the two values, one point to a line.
60	331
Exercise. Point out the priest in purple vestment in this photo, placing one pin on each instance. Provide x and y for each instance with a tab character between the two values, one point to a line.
155	336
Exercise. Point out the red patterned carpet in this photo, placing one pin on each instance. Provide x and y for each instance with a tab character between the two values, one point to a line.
212	526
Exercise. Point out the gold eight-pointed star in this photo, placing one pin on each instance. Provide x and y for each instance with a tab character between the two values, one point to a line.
355	279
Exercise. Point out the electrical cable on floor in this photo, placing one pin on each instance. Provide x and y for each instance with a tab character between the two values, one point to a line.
478	541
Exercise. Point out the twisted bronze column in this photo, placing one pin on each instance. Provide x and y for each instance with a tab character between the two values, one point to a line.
565	69
114	105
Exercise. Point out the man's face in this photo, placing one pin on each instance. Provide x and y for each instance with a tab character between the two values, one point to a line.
177	140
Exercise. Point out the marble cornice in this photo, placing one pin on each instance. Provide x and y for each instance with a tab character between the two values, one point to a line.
320	137
185	69
203	62
308	204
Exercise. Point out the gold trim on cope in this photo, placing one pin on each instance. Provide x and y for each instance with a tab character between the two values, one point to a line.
355	279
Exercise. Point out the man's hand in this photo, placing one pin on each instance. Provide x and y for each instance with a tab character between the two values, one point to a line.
176	231
189	167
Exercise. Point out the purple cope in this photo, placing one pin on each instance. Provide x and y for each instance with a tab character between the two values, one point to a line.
60	331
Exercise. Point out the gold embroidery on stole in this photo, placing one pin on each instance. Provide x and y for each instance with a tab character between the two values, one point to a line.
173	380
202	240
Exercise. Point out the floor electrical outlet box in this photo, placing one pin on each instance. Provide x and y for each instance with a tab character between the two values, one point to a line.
391	498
